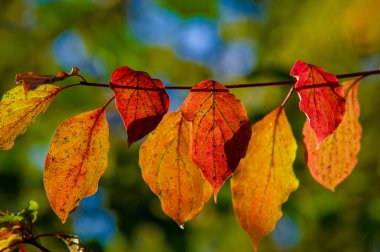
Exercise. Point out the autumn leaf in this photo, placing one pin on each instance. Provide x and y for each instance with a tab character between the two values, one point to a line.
8	237
265	178
321	98
76	160
336	157
18	110
31	81
220	131
169	171
141	101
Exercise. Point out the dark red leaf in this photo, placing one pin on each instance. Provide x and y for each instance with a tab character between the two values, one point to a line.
321	98
141	101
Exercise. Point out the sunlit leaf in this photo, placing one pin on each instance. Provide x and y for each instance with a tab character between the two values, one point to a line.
265	178
27	215
19	109
169	171
141	103
220	131
9	237
10	218
321	98
76	160
336	157
31	212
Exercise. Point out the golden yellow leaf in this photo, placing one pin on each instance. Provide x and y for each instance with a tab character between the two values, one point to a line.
19	109
76	160
9	237
336	156
265	178
169	171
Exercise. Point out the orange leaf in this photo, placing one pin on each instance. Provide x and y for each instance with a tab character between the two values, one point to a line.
265	178
336	157
8	237
142	105
321	98
76	160
18	110
169	171
220	131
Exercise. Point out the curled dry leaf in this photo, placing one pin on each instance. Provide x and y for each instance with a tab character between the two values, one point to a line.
73	243
265	178
169	171
19	109
321	98
336	157
31	81
220	131
141	101
76	160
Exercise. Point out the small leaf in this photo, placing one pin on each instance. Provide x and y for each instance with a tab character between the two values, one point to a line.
220	131
31	81
321	98
31	211
9	237
265	178
76	160
10	218
169	171
26	215
18	110
336	157
141	103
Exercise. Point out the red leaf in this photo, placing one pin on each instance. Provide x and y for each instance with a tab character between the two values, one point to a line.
321	98
142	105
220	131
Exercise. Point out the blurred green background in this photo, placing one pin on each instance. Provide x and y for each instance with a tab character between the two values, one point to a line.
184	42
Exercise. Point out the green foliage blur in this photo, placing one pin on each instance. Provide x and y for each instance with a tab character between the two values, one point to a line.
340	36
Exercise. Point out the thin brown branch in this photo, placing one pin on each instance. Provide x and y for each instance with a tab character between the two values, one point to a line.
247	85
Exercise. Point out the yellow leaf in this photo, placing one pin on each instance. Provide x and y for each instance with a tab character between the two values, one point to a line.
169	171
336	156
9	237
264	178
19	109
76	160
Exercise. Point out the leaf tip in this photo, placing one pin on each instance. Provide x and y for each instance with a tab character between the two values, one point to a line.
63	218
215	197
130	142
255	245
331	187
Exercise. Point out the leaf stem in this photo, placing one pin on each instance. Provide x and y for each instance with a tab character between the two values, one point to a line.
109	101
288	96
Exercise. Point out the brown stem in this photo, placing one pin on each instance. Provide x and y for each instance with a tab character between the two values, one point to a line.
37	245
109	101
